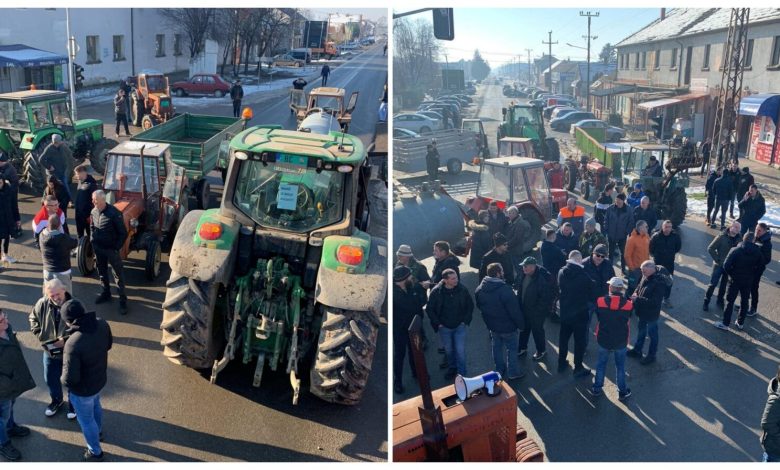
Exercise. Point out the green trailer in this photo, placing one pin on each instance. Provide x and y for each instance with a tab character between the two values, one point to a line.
199	144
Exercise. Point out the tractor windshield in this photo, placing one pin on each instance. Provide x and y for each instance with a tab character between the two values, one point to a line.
289	193
327	103
472	126
512	149
524	115
494	183
13	115
123	172
155	83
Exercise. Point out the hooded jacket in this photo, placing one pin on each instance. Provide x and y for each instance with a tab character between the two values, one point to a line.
15	376
449	307
498	305
743	263
665	247
600	209
589	242
765	246
634	198
721	246
637	250
577	291
85	360
537	298
770	420
619	221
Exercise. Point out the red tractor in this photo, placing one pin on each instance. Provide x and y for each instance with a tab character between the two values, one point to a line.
151	101
593	175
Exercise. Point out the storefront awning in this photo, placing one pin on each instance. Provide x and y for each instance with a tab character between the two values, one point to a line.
760	105
612	91
648	105
19	55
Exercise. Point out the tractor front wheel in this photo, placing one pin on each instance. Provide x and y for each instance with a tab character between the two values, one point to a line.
345	353
569	176
153	258
454	166
98	154
33	173
85	256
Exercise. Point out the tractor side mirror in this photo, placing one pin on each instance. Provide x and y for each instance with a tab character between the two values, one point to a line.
352	102
503	112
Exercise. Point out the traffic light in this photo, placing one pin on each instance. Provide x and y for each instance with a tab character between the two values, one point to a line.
657	125
78	76
443	24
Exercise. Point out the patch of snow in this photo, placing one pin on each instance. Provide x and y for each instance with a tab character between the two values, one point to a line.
698	207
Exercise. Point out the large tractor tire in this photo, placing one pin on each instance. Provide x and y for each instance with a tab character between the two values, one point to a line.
85	256
675	206
570	176
137	110
191	336
536	223
33	173
554	150
203	194
345	352
153	259
454	166
98	154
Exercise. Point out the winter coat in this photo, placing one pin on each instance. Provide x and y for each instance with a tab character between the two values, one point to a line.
637	250
517	232
15	376
576	218
619	222
55	249
600	209
614	315
650	292
743	263
654	171
709	186
8	173
45	320
419	272
120	104
765	246
493	256
449	262
723	187
537	299
567	244
553	257
481	243
325	70
56	157
497	224
8	217
634	198
499	306
236	92
600	274
432	160
589	242
721	246
744	181
85	359
665	247
750	211
770	420
406	304
83	200
577	291
449	307
108	228
649	215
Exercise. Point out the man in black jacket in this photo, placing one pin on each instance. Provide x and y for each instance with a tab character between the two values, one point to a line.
744	181
535	295
733	174
499	254
55	249
664	246
566	240
497	221
618	224
503	318
764	242
55	159
646	213
517	232
577	290
84	370
719	249
450	308
237	94
751	208
86	186
15	379
723	188
614	315
408	301
709	190
602	204
444	260
108	237
647	300
742	265
599	267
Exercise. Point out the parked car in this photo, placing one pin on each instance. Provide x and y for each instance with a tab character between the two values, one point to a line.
286	60
416	122
564	123
560	104
561	111
612	133
202	84
401	133
433	115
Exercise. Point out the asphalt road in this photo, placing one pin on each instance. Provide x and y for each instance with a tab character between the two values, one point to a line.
701	401
157	411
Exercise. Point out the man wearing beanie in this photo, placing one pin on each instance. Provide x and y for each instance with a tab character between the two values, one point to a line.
84	370
499	254
408	302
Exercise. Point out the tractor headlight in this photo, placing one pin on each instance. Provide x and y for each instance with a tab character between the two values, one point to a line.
241	156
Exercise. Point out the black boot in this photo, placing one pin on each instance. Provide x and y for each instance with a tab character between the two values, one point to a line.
706	306
104	296
123	305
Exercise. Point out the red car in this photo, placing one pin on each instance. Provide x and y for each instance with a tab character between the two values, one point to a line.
202	84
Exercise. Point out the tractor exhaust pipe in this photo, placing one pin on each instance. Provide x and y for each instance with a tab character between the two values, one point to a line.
143	174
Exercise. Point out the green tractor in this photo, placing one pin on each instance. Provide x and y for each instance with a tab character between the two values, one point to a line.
525	120
666	192
28	119
283	272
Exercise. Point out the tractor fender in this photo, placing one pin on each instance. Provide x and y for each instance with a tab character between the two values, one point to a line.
30	140
344	287
204	260
6	145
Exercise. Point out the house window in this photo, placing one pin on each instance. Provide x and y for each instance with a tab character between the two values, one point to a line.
159	45
119	48
657	59
674	58
636	61
705	65
93	45
177	44
775	52
767	134
749	53
644	60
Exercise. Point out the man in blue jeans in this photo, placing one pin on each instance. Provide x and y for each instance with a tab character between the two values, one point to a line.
501	312
614	314
647	300
84	371
450	308
719	250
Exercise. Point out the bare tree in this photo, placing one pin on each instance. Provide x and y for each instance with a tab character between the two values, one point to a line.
275	22
223	30
414	57
194	22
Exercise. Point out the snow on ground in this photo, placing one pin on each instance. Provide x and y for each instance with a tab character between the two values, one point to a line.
697	205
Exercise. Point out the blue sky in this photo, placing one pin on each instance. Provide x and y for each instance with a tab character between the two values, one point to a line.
502	33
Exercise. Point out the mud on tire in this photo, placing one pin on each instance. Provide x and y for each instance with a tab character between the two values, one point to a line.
345	352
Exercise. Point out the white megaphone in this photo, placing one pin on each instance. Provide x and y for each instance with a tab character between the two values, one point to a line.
467	386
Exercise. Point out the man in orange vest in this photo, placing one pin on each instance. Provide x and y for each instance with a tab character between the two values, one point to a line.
573	214
612	334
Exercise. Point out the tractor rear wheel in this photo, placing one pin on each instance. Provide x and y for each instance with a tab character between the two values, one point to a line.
33	173
345	353
191	334
675	204
153	258
554	150
569	176
85	256
137	110
533	219
454	166
98	154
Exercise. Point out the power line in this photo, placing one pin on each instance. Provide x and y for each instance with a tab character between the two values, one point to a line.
550	43
589	15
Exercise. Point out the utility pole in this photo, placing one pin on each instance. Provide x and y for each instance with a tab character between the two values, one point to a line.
71	57
528	51
549	69
589	15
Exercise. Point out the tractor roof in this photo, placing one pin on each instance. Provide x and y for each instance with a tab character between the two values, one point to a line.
514	162
33	95
273	139
651	147
328	91
151	149
515	139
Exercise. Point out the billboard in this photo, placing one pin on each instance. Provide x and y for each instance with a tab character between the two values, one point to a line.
314	34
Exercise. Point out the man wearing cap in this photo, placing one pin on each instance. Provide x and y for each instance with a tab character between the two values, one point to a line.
646	213
405	257
574	215
55	159
664	246
577	291
237	94
450	308
503	318
408	302
517	232
619	222
647	299
444	260
599	267
535	288
565	239
591	237
635	197
84	371
499	254
614	315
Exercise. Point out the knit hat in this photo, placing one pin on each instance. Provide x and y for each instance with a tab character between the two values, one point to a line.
591	221
499	239
601	249
400	273
72	310
404	250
